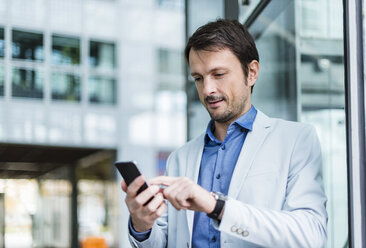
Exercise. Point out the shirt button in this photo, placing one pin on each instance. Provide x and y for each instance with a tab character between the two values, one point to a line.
245	233
218	176
223	147
213	239
234	228
239	231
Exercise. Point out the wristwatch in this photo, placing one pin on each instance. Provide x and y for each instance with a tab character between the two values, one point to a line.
220	203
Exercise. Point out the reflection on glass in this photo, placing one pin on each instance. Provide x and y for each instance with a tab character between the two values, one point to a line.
102	90
27	83
2	79
65	50
306	83
102	55
65	86
97	207
20	201
170	62
246	7
2	43
27	45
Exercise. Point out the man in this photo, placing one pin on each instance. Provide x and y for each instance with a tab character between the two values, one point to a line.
264	174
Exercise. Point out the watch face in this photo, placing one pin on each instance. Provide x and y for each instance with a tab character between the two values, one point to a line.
219	196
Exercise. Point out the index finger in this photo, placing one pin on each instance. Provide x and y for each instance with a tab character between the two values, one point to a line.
124	186
163	180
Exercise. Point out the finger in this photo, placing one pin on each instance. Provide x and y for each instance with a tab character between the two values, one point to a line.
135	186
155	203
160	211
175	189
180	195
124	186
184	196
171	196
145	195
163	180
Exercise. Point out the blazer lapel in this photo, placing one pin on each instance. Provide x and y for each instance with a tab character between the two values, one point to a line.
193	160
251	146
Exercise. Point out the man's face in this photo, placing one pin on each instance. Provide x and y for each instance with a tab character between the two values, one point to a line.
221	84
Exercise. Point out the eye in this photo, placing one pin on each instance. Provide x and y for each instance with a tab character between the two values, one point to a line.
219	75
197	79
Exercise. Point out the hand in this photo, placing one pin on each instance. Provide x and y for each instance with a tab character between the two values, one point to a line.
143	217
183	193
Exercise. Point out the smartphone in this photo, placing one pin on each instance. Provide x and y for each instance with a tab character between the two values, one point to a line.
129	172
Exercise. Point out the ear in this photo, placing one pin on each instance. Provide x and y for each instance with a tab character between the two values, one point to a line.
253	71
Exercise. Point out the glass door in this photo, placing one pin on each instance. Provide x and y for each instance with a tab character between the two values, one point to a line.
300	46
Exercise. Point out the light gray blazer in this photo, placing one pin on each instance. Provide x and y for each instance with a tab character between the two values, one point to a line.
276	197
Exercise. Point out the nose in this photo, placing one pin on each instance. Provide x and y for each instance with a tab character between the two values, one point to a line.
209	87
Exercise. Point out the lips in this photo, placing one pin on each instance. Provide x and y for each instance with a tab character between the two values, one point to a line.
214	101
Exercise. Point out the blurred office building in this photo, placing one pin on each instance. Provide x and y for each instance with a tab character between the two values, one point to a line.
84	83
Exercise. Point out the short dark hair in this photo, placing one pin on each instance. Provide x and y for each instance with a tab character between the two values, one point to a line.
222	34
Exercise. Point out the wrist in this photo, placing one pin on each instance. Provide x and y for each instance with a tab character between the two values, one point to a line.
218	210
139	228
211	204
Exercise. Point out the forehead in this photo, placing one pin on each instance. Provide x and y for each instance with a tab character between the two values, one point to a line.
202	60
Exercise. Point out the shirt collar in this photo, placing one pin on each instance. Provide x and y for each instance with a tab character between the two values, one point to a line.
245	122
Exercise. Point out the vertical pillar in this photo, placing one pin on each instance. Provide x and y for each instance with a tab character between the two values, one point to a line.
74	209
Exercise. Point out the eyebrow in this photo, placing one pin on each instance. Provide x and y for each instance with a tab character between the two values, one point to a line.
212	70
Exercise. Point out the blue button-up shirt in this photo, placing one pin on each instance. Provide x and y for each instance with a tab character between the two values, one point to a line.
217	166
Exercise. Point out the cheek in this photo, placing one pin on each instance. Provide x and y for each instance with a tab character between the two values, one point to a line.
200	94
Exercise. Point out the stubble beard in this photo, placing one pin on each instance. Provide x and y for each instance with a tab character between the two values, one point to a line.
230	114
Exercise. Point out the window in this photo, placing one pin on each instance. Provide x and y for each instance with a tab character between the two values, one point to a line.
2	79
2	43
102	82
65	86
102	55
27	45
65	50
27	83
170	62
102	90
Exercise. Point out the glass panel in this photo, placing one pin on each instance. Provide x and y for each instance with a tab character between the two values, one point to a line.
97	206
102	89
2	79
171	4
2	43
102	55
246	7
26	45
65	86
170	62
65	50
305	83
27	83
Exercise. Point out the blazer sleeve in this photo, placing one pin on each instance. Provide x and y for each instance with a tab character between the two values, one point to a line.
303	218
157	238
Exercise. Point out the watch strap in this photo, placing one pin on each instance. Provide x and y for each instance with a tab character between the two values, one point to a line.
220	203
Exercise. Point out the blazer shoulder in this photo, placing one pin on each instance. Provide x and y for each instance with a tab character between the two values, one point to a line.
286	127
